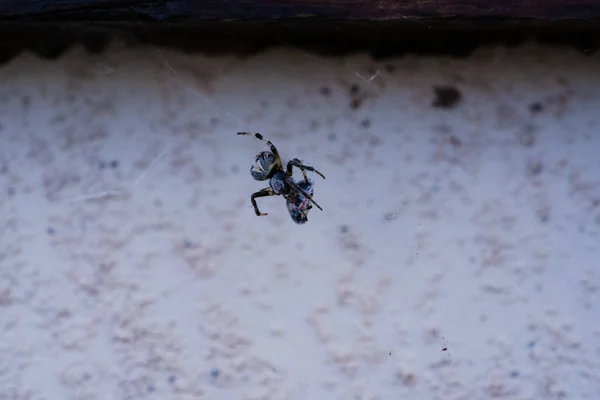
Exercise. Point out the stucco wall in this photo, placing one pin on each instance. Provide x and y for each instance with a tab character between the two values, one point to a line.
456	256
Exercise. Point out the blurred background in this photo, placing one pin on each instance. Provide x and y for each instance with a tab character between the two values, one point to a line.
456	256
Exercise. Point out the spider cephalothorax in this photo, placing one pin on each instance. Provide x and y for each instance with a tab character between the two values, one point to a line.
298	195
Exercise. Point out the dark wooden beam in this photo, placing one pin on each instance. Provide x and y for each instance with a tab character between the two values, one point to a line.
372	10
383	28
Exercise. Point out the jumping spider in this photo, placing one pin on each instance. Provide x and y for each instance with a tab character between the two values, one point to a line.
298	194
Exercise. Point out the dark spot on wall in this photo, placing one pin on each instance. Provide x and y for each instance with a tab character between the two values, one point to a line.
390	68
408	379
354	89
433	333
389	216
114	164
455	141
543	214
189	244
446	96
536	108
344	229
365	123
325	91
534	168
355	103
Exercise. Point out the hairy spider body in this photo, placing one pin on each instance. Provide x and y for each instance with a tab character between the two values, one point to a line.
298	194
262	166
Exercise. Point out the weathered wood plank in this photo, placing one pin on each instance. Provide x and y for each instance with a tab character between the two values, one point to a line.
190	10
381	27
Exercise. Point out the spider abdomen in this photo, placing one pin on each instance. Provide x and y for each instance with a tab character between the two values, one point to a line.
298	205
263	164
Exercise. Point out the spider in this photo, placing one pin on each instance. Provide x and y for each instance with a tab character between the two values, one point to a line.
298	194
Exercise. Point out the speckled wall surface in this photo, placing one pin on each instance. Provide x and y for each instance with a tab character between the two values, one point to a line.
456	256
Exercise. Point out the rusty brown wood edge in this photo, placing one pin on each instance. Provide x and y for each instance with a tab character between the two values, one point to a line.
372	10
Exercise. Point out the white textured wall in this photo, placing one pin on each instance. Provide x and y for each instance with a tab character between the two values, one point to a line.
474	229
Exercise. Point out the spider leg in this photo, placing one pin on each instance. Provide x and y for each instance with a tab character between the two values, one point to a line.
304	174
298	164
261	193
271	145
